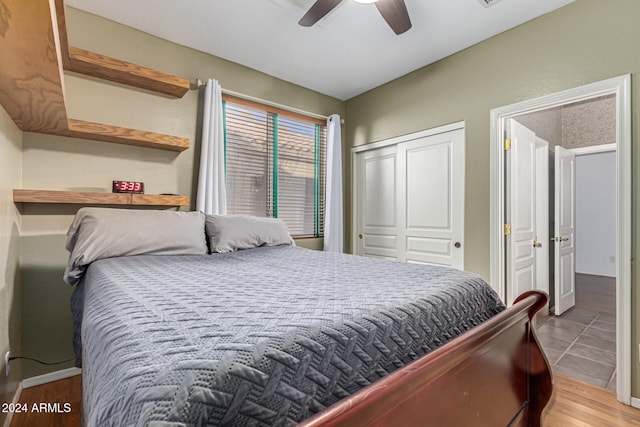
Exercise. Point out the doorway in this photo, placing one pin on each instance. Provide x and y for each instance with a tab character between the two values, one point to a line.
579	337
618	87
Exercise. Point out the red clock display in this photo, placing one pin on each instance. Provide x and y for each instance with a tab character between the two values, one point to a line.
128	187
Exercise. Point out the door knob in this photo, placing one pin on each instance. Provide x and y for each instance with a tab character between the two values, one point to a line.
537	244
457	245
559	239
360	236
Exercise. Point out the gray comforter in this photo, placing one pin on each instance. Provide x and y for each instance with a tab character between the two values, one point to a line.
266	336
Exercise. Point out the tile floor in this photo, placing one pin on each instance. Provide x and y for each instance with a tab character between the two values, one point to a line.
581	343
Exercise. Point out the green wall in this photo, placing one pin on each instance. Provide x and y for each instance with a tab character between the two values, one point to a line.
58	163
584	42
10	313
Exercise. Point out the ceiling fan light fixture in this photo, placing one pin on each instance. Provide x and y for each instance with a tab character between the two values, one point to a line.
487	3
394	12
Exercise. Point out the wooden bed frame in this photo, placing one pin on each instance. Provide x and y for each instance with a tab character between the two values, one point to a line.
493	375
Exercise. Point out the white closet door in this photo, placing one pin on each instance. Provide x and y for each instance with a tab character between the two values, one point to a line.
434	203
410	200
380	232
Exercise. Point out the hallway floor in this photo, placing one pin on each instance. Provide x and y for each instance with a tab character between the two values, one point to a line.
581	343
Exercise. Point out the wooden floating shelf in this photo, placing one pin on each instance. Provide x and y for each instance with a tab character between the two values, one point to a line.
90	198
32	79
159	200
120	135
107	68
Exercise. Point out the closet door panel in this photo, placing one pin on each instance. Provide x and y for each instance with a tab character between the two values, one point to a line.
429	187
378	216
435	198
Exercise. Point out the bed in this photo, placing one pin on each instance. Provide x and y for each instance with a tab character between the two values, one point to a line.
278	335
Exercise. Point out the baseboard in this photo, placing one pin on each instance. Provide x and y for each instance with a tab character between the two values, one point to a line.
635	402
611	276
50	377
16	398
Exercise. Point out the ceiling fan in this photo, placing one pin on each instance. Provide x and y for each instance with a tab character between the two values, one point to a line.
393	11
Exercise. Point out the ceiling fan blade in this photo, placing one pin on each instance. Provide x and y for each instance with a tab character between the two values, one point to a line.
395	13
319	9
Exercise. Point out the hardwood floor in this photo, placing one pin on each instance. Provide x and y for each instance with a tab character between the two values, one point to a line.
574	403
67	391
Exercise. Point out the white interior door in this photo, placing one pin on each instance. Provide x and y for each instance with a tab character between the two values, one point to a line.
521	210
434	204
542	245
564	239
380	233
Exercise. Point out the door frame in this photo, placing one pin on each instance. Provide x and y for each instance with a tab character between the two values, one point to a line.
621	87
385	143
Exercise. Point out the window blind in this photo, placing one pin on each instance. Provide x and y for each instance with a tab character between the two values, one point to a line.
247	156
275	167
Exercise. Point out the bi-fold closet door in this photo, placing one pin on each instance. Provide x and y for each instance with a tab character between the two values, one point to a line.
410	199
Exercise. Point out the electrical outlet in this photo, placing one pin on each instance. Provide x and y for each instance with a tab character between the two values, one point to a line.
6	363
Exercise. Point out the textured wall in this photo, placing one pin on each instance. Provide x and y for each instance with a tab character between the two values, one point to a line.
583	42
590	122
547	124
580	124
10	315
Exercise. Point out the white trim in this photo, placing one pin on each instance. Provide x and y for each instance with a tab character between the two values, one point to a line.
354	203
593	149
16	399
408	137
542	215
623	257
635	402
621	87
275	104
50	377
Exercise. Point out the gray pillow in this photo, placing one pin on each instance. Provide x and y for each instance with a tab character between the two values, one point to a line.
228	233
98	233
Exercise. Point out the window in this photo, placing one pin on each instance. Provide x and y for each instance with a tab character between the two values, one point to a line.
275	165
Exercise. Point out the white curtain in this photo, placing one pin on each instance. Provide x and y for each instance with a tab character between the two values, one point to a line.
212	195
333	234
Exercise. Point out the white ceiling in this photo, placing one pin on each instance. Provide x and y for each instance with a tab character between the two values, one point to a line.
347	53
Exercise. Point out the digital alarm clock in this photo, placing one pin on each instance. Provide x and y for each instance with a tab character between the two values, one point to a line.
128	187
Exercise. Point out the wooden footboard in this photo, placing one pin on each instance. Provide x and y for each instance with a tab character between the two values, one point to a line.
493	375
